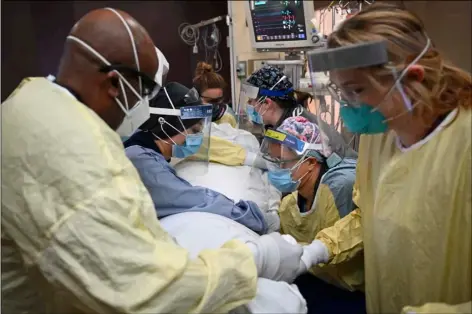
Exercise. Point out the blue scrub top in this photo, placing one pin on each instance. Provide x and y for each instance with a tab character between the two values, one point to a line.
172	194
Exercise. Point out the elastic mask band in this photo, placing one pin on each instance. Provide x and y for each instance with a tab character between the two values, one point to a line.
160	138
163	121
133	45
172	104
397	84
105	61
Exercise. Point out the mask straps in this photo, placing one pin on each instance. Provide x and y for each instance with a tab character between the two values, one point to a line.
161	138
163	121
105	61
298	164
425	49
180	120
398	79
405	71
133	45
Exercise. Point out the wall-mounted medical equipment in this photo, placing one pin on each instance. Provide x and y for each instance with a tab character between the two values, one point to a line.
205	35
282	25
293	69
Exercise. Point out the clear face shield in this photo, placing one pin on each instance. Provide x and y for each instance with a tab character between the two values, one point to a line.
197	137
363	85
252	105
284	153
247	117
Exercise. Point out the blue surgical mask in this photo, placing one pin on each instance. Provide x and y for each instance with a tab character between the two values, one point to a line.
191	146
363	119
282	180
255	116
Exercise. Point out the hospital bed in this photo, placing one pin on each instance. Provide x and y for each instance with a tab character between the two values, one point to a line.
198	231
236	182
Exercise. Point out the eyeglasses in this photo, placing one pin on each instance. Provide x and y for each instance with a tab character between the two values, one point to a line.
214	101
343	97
279	162
150	87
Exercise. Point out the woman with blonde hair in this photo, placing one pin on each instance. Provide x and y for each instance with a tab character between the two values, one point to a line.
211	87
413	179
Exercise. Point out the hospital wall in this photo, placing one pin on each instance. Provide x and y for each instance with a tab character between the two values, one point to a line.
448	23
33	34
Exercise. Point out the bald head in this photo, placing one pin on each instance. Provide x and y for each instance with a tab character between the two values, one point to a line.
110	33
104	30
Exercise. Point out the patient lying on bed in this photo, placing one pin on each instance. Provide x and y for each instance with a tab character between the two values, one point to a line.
198	231
236	182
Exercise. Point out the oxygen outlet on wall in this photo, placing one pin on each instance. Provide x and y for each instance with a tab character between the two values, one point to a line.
241	69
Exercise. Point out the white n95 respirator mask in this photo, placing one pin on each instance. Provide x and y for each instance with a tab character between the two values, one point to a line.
137	114
134	118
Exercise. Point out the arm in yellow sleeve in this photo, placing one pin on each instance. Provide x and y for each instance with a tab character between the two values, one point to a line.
227	118
109	258
439	308
344	240
224	152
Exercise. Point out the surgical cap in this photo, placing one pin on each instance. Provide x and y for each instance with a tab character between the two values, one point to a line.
304	130
176	93
267	77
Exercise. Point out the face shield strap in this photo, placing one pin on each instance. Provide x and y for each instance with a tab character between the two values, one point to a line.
301	148
349	57
263	98
163	121
274	93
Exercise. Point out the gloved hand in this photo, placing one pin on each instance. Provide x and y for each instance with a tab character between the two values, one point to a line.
313	254
255	160
276	258
273	221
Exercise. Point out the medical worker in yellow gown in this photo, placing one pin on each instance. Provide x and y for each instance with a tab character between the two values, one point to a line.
275	101
413	183
79	229
211	87
318	184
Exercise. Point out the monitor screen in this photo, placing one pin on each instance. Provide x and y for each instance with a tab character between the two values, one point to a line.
278	20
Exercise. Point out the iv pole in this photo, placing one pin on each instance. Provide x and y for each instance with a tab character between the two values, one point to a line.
209	22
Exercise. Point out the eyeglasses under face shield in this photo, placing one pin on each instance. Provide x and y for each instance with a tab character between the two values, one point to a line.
283	150
362	79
